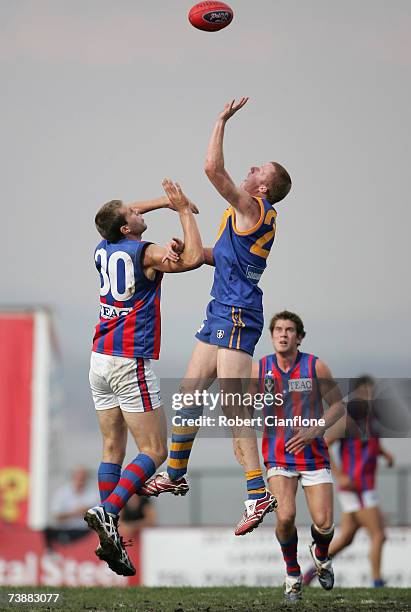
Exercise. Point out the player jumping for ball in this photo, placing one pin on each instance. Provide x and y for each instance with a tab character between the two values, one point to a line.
234	317
124	387
292	454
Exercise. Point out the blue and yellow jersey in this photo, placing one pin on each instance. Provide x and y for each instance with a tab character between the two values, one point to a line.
241	257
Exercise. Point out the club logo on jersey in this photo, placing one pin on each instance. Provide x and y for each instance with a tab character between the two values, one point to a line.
268	384
109	312
300	385
253	274
220	334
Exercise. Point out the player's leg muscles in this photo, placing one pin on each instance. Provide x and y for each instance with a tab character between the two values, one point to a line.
149	430
233	370
201	372
114	432
285	489
348	528
372	520
320	504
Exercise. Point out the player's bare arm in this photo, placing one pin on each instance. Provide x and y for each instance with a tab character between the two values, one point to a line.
389	457
146	206
192	256
175	247
239	199
331	394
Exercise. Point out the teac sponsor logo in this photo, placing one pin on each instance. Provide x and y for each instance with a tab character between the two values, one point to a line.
109	312
300	385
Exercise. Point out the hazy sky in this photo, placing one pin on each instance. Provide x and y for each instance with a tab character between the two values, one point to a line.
101	99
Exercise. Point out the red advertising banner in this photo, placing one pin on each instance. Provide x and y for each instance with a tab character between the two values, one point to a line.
16	374
25	560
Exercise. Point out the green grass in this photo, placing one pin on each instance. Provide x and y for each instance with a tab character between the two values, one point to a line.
243	599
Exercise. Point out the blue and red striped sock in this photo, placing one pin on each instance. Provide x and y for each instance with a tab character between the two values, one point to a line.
108	477
289	550
132	478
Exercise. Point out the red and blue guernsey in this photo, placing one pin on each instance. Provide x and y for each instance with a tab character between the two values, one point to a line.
359	461
301	397
241	257
130	320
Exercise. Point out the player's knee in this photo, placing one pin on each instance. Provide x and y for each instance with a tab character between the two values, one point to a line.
324	521
285	519
113	450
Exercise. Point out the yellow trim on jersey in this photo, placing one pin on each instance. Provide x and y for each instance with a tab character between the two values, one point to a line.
256	226
223	223
257	248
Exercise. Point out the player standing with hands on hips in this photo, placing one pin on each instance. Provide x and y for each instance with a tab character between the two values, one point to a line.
125	390
234	318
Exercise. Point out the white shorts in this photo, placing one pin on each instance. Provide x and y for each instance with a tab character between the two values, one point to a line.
120	381
308	478
353	501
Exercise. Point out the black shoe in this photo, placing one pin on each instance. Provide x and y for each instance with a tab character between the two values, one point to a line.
111	548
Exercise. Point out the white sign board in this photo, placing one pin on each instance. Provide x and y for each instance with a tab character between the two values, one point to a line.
213	556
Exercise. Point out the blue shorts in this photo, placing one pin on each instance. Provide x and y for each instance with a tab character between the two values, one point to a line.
231	327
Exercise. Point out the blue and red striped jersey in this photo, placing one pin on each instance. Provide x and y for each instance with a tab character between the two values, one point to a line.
130	319
241	257
359	461
301	397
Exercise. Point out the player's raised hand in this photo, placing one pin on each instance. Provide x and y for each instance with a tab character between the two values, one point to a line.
232	107
173	250
178	200
193	207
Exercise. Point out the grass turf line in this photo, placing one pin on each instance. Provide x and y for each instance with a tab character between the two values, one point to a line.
186	599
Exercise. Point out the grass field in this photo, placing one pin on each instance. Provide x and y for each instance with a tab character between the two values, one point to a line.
243	599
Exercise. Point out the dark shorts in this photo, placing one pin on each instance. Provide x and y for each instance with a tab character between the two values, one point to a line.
231	327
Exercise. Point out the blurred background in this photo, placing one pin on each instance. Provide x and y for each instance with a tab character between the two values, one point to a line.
103	100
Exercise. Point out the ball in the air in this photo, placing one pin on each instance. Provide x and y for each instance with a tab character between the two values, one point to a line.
210	16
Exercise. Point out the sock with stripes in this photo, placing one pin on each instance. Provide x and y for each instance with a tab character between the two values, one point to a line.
182	440
132	478
289	550
255	484
322	539
108	477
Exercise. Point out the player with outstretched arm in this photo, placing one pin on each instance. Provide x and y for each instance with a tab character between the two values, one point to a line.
125	390
234	317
